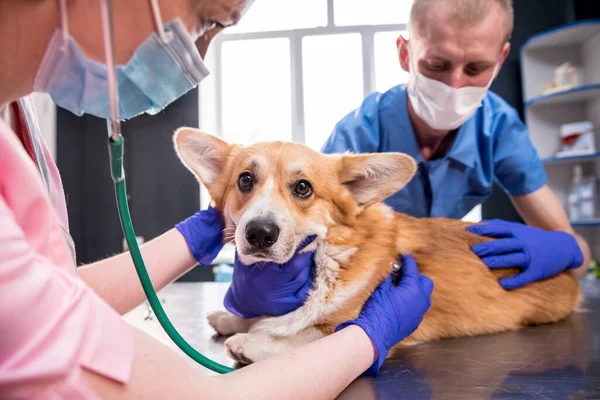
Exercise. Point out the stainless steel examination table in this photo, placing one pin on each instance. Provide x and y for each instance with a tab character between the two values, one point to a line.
558	361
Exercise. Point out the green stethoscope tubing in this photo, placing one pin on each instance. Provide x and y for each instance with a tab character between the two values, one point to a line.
118	175
115	145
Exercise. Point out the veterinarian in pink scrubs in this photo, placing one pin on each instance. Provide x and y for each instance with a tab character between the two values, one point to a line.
61	334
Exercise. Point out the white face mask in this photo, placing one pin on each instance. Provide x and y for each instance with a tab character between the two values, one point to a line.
441	106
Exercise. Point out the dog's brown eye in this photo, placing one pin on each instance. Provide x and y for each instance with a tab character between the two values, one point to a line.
245	182
303	189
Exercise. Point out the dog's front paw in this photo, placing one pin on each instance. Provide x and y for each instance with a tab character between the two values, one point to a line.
227	324
247	348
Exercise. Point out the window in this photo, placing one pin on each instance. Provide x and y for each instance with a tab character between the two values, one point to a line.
388	72
262	111
332	80
280	15
292	69
371	12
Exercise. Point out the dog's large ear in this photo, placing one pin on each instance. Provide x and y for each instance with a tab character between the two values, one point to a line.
374	176
203	154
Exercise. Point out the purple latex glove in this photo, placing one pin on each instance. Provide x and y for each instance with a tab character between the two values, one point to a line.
268	288
203	233
540	254
393	313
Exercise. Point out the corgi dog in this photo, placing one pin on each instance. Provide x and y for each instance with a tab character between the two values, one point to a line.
274	195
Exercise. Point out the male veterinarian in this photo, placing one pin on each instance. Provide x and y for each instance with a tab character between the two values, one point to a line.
464	138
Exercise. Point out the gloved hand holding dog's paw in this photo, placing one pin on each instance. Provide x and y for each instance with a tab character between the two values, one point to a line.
393	313
203	233
268	288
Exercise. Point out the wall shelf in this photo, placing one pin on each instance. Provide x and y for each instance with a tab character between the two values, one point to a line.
579	45
571	159
576	44
583	223
580	93
565	35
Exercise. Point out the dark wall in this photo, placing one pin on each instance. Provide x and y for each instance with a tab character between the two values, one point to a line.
161	191
531	17
585	9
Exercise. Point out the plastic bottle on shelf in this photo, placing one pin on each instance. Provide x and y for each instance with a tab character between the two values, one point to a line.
573	198
587	197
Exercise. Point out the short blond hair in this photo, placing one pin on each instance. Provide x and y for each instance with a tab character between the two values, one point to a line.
462	11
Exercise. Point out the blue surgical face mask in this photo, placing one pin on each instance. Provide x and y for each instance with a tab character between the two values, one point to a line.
163	68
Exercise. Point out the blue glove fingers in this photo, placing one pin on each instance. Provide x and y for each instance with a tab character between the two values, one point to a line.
203	234
497	221
384	286
411	273
494	230
519	260
306	242
298	266
304	273
426	285
571	242
410	269
231	304
304	279
498	246
514	282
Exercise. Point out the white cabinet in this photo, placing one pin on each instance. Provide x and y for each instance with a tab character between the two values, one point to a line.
579	45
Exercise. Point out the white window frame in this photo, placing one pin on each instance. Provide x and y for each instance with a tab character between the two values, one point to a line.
295	37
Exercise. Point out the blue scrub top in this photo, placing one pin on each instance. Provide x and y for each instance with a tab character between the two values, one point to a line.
493	145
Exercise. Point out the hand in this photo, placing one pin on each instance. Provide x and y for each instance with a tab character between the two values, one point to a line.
393	313
203	233
540	254
268	288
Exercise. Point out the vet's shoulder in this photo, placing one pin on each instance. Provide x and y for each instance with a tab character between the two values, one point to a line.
499	116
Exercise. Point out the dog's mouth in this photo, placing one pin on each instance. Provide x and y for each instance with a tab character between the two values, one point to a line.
260	254
250	255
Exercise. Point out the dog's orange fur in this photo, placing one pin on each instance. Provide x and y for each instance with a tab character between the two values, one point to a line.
467	299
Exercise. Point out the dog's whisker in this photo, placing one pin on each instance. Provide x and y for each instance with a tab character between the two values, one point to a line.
237	211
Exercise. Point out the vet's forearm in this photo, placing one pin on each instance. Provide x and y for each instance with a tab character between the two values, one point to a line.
114	279
319	370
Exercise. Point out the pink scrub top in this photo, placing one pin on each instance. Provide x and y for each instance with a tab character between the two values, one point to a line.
51	324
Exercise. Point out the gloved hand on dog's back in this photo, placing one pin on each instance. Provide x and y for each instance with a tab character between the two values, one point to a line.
262	289
539	253
393	313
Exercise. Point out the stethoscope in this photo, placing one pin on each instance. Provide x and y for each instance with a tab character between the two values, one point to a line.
115	144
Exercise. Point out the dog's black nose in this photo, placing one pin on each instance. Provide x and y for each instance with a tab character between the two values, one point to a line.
261	233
